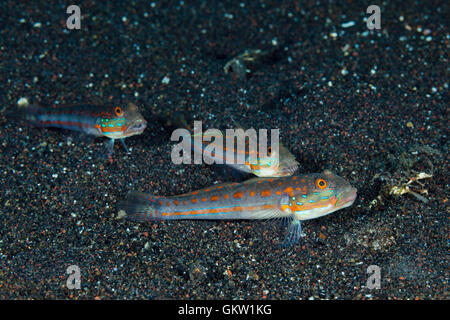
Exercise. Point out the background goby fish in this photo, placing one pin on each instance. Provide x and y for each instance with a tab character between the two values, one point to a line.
269	165
113	122
272	165
296	198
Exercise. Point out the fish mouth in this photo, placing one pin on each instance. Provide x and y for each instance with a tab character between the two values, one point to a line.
137	127
348	197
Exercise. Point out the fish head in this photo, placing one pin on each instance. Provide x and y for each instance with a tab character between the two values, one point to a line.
321	194
278	163
121	122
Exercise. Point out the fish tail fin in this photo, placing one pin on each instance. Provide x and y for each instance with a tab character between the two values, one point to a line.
32	114
140	207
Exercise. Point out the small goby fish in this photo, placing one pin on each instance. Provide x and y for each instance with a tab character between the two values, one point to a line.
282	164
296	198
114	122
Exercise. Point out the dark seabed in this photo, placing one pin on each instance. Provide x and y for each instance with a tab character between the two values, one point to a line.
372	106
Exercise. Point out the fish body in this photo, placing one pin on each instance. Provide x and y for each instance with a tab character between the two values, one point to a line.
280	163
114	122
299	198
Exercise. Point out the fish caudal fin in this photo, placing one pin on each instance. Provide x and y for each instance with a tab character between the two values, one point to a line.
140	207
32	114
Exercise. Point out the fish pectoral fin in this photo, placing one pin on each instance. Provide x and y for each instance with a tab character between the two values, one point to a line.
270	213
294	233
109	145
124	145
78	138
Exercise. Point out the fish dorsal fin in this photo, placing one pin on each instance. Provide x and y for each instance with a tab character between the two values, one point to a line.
132	106
97	101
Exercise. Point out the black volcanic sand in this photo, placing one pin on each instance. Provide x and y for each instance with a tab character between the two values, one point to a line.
372	106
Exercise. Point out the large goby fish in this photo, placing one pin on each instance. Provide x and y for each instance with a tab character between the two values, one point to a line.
297	198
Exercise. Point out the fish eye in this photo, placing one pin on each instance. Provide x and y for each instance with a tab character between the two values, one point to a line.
118	111
321	183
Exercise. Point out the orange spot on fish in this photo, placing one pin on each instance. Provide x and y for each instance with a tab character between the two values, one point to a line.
204	199
238	195
175	202
266	193
252	193
288	190
194	200
278	193
214	198
226	196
